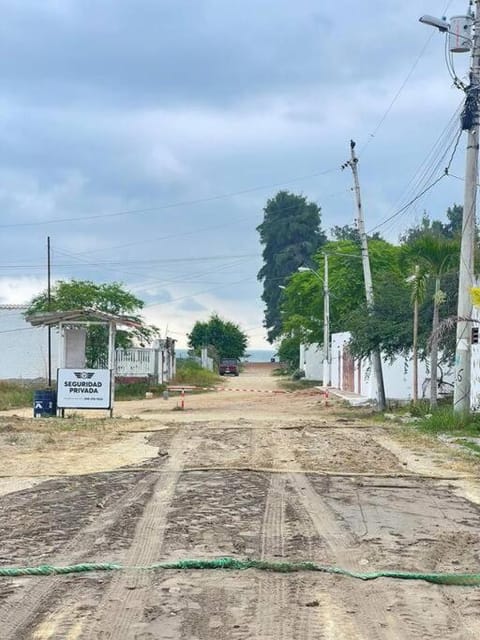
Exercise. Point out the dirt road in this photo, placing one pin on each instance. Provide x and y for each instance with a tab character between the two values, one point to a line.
244	473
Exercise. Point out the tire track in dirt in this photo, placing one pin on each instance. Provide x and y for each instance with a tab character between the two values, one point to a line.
272	589
120	613
279	614
16	615
375	620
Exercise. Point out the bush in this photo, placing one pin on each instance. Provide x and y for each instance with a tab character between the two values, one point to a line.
298	374
192	373
445	420
14	395
137	390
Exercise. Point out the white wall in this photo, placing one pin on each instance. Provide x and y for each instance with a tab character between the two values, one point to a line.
23	348
397	375
311	361
475	367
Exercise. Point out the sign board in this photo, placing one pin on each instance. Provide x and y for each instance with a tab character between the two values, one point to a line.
84	388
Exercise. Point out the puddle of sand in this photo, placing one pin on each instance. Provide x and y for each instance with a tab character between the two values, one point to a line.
132	449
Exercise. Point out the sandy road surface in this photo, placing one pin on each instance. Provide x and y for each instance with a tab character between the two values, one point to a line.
240	473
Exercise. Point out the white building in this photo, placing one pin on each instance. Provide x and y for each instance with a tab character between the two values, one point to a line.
357	376
23	348
24	352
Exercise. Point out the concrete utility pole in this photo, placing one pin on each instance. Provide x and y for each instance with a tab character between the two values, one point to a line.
49	299
327	374
461	394
458	30
367	276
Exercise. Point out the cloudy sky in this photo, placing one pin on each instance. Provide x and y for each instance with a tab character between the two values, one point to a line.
145	136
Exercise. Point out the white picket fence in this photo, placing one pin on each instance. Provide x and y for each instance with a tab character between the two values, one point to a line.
159	365
137	363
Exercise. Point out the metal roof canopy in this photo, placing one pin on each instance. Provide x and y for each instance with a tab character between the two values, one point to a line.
80	316
65	320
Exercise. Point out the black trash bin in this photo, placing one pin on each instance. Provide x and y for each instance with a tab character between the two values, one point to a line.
44	403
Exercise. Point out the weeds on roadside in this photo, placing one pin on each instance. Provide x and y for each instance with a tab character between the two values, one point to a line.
137	390
445	420
192	373
14	395
297	385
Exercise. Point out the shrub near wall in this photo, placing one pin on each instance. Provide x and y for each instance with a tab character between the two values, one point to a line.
192	373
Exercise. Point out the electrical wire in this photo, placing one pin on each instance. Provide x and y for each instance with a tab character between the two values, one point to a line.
172	205
183	234
424	180
396	96
402	86
405	207
181	278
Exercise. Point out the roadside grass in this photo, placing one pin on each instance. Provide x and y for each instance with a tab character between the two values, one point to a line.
298	385
444	420
14	395
281	371
472	446
192	373
137	390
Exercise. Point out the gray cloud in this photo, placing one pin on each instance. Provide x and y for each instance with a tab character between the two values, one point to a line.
116	106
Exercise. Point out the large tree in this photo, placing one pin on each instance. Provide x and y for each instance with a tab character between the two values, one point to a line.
227	339
351	232
290	234
449	230
110	297
302	301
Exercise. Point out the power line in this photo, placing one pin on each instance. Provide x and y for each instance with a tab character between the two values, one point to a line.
172	205
183	234
397	213
429	171
397	94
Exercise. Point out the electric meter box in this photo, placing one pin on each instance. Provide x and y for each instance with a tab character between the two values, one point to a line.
460	34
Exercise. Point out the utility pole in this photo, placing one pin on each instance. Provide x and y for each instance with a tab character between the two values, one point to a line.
49	297
367	276
326	326
458	30
461	393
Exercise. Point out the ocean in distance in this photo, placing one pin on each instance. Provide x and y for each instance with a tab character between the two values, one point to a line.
255	355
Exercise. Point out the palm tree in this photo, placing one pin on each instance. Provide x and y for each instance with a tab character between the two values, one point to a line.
435	255
417	281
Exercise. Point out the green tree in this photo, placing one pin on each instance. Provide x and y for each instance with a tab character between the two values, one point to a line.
302	300
108	297
228	340
291	235
289	352
350	232
449	230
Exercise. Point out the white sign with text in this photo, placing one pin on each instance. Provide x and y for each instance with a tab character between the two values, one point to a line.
83	389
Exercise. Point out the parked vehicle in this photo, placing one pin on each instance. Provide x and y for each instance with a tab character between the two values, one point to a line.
228	366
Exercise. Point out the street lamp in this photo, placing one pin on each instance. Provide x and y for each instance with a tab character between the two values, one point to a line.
459	28
326	320
432	21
